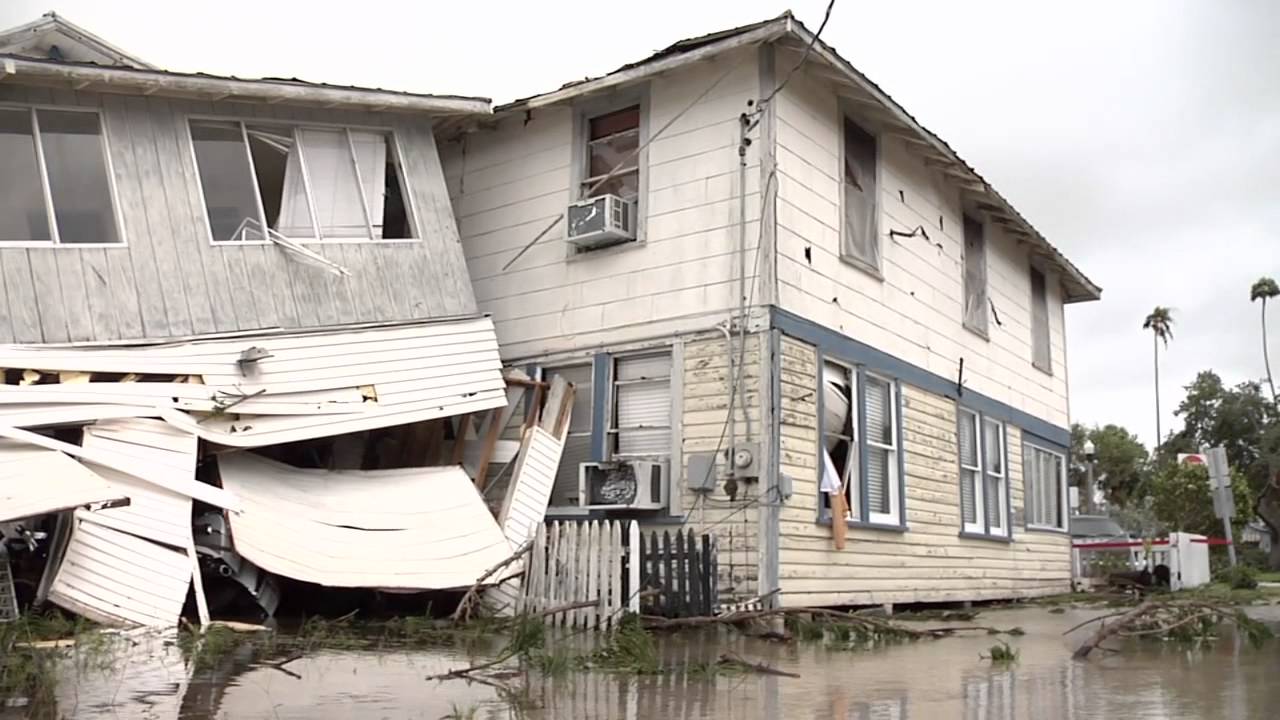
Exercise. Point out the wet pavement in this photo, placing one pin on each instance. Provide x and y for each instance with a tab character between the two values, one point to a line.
944	678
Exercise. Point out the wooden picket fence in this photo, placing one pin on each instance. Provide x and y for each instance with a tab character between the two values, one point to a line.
576	561
682	572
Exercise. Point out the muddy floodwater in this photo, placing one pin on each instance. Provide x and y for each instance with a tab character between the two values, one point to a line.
944	678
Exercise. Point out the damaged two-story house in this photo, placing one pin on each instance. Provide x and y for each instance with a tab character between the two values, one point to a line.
234	305
795	318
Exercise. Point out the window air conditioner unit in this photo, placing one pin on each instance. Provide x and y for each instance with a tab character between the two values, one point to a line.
623	485
601	221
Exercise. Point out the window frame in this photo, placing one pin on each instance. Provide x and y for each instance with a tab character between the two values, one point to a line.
1028	450
981	529
853	472
583	112
895	520
875	269
612	430
393	138
983	328
1047	366
46	190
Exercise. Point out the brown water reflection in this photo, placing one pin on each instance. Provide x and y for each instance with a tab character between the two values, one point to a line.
940	679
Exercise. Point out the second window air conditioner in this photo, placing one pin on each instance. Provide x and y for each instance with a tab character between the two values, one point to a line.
623	485
601	221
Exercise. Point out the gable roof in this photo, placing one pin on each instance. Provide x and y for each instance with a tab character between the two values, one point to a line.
53	37
787	31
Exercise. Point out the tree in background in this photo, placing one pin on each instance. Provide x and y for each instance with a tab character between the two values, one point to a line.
1160	323
1182	500
1120	461
1244	422
1265	289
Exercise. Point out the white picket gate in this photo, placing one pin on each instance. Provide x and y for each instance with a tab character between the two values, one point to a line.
576	561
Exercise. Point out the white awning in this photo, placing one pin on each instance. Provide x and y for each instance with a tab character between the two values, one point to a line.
411	529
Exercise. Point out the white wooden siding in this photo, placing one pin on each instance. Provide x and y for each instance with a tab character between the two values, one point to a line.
168	280
424	528
118	579
35	481
928	563
916	312
508	183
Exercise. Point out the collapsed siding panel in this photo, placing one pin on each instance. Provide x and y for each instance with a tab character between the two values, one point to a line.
929	562
35	481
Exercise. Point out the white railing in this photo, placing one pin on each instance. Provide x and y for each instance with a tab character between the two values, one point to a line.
573	562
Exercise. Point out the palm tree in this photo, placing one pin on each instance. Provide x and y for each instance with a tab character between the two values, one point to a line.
1160	323
1265	289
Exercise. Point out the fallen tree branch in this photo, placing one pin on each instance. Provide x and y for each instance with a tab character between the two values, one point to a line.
733	661
463	612
1107	631
1090	621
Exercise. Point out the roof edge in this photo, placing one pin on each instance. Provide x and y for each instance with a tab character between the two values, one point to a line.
53	21
82	76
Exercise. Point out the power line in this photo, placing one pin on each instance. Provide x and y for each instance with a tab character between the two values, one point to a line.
808	49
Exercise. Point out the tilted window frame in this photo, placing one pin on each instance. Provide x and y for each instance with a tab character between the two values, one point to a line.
47	192
393	138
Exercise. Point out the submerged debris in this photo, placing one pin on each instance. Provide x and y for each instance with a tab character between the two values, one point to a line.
1174	620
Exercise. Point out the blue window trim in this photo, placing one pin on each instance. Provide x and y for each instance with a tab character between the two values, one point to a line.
860	408
839	345
601	367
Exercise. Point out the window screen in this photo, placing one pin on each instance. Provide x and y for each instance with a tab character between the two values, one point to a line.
860	240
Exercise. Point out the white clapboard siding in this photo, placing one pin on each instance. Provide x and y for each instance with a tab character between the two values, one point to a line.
414	528
35	481
574	561
30	415
117	579
309	384
153	512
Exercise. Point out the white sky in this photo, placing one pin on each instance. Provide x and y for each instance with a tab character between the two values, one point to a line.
1141	137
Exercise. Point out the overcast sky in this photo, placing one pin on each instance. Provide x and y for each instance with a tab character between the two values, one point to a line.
1141	137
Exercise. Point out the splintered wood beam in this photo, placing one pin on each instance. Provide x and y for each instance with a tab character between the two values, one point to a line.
486	451
460	439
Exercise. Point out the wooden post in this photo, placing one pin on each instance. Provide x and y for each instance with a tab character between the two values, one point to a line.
708	576
682	587
460	439
633	603
486	451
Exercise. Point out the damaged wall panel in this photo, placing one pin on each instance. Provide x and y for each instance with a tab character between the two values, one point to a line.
35	481
423	528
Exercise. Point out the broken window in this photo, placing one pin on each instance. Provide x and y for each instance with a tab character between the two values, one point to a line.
641	424
1044	474
54	182
840	437
983	476
861	242
975	276
577	445
613	138
1041	355
300	182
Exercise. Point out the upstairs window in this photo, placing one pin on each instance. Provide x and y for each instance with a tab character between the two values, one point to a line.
1041	355
613	138
975	276
1044	473
300	183
983	477
641	422
55	187
860	242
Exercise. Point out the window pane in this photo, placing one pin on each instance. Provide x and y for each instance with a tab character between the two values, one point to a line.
860	240
968	495
968	439
383	184
23	217
608	153
1040	321
991	447
78	181
334	188
975	275
624	185
879	420
603	126
226	180
279	177
994	501
878	486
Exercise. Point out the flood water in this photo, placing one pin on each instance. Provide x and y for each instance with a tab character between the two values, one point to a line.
943	678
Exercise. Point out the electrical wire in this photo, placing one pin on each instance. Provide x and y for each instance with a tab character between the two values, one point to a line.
808	49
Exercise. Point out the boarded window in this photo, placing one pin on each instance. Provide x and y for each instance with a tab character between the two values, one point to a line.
53	163
1041	355
642	406
840	436
1044	474
860	241
577	446
300	182
975	276
612	139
